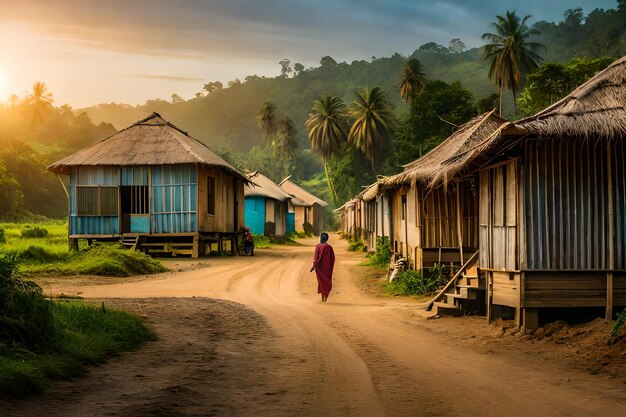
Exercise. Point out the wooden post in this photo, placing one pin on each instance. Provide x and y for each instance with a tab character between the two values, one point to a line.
530	319
195	250
72	244
611	243
459	220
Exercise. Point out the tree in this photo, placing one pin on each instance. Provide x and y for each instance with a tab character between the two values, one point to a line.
328	62
177	99
285	69
234	83
510	52
298	68
326	131
412	79
213	86
39	101
456	46
267	122
287	146
433	48
373	120
573	18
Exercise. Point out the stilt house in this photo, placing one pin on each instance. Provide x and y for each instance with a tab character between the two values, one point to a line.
308	209
266	206
156	188
437	223
552	198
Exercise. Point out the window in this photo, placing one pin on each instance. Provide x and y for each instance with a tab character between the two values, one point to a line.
403	207
96	201
210	196
139	202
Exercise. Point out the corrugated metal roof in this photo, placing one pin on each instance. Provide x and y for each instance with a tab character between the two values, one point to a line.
151	141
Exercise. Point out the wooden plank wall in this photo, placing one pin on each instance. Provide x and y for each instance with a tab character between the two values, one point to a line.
565	289
566	197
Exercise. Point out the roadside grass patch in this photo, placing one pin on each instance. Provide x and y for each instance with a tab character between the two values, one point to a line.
43	339
48	254
266	242
382	256
356	245
410	282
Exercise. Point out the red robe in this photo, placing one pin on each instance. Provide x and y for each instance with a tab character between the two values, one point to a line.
324	262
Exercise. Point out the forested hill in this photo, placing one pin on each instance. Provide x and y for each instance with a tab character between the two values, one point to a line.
226	117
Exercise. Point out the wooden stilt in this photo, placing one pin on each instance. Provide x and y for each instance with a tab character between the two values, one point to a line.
72	244
530	318
609	297
195	249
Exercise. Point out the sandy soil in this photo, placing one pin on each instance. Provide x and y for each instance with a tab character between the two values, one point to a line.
249	336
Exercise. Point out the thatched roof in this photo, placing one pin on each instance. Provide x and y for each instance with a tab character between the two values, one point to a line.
596	108
467	137
370	193
151	141
264	187
302	196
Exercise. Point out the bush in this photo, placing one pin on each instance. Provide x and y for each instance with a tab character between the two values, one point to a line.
355	245
34	232
107	260
41	254
382	256
619	323
3	238
414	283
24	313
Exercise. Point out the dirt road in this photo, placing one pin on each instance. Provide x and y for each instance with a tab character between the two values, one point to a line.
261	343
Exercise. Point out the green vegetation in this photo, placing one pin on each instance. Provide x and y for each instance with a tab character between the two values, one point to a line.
48	253
267	242
411	282
43	340
382	256
357	245
620	323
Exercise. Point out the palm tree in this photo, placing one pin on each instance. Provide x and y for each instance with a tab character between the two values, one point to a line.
411	79
511	55
267	122
39	101
287	143
325	127
372	122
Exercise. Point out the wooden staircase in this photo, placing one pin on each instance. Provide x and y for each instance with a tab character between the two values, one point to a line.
129	241
462	293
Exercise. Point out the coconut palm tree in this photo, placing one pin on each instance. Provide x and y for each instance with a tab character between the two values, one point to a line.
287	144
510	52
267	122
411	79
326	131
373	119
39	101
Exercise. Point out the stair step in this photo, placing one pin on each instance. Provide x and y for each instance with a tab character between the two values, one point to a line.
471	287
467	276
470	296
447	309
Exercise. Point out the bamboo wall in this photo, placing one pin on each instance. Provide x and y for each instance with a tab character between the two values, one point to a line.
575	208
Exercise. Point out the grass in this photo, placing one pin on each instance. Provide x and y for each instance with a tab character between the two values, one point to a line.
382	256
41	249
619	324
413	283
265	242
43	339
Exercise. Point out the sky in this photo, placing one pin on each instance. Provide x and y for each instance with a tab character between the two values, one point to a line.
130	51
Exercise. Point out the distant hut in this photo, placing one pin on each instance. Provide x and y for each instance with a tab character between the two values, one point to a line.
307	209
552	203
437	222
266	206
156	188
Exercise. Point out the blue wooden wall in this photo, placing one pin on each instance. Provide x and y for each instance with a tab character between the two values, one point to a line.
291	223
254	214
92	177
173	205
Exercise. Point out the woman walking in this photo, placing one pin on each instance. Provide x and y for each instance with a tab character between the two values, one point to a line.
323	264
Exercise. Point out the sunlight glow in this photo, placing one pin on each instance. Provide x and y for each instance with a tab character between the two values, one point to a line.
4	84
